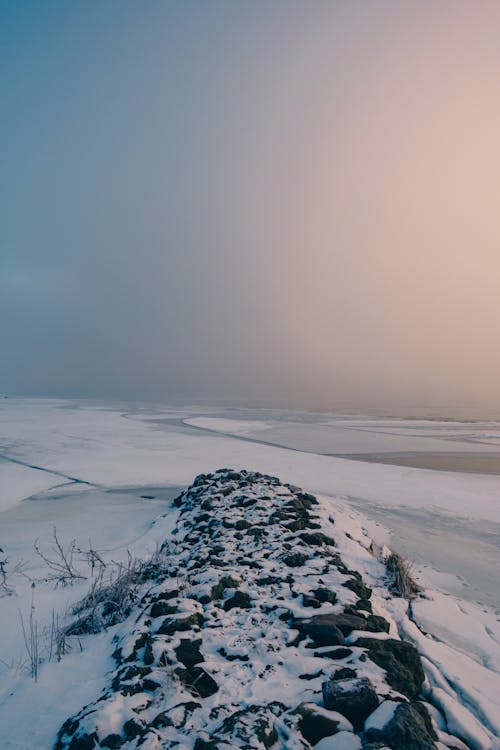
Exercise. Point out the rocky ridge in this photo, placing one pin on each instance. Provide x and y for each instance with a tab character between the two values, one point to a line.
255	634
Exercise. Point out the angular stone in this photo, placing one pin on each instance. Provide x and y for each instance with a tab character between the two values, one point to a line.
401	661
310	601
239	599
198	682
317	539
295	559
325	595
188	652
408	729
313	725
336	653
172	625
356	584
322	630
355	699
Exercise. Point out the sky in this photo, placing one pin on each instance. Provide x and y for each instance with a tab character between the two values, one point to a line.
258	202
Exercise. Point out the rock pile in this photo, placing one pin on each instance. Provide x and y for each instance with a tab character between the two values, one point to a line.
259	636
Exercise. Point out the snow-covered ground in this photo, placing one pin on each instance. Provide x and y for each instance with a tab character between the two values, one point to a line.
102	474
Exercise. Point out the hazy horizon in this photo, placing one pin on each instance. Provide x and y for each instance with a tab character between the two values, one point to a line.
287	203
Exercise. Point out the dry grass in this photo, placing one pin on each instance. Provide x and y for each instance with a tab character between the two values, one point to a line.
402	582
113	592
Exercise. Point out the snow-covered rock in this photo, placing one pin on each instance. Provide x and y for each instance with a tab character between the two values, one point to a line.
236	632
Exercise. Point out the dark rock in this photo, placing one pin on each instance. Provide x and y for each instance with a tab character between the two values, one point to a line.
317	539
267	580
325	595
172	625
377	624
313	676
295	559
363	604
113	741
298	525
346	673
253	722
201	744
356	584
239	599
242	524
80	742
133	674
322	630
233	657
310	601
257	532
162	720
313	725
217	550
406	730
346	623
132	729
197	681
401	661
188	652
355	699
336	653
150	685
162	608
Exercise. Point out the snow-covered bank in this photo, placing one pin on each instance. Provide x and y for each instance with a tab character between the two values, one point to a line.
149	448
256	629
132	446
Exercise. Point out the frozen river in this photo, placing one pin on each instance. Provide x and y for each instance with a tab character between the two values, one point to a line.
104	476
429	487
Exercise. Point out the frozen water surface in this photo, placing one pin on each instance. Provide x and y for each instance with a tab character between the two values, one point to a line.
106	474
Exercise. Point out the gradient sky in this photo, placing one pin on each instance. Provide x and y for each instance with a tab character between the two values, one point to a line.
257	201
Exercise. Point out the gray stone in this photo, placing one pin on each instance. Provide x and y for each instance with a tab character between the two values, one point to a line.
355	699
408	729
401	661
322	630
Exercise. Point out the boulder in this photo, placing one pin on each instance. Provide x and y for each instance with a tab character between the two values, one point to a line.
313	724
197	681
188	652
407	728
239	599
322	629
355	699
319	627
401	661
324	595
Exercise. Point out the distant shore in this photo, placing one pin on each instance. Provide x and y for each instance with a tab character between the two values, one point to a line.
469	463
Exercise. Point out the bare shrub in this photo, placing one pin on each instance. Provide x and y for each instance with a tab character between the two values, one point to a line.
113	592
401	572
93	559
60	561
58	641
114	588
8	572
31	638
184	585
5	587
